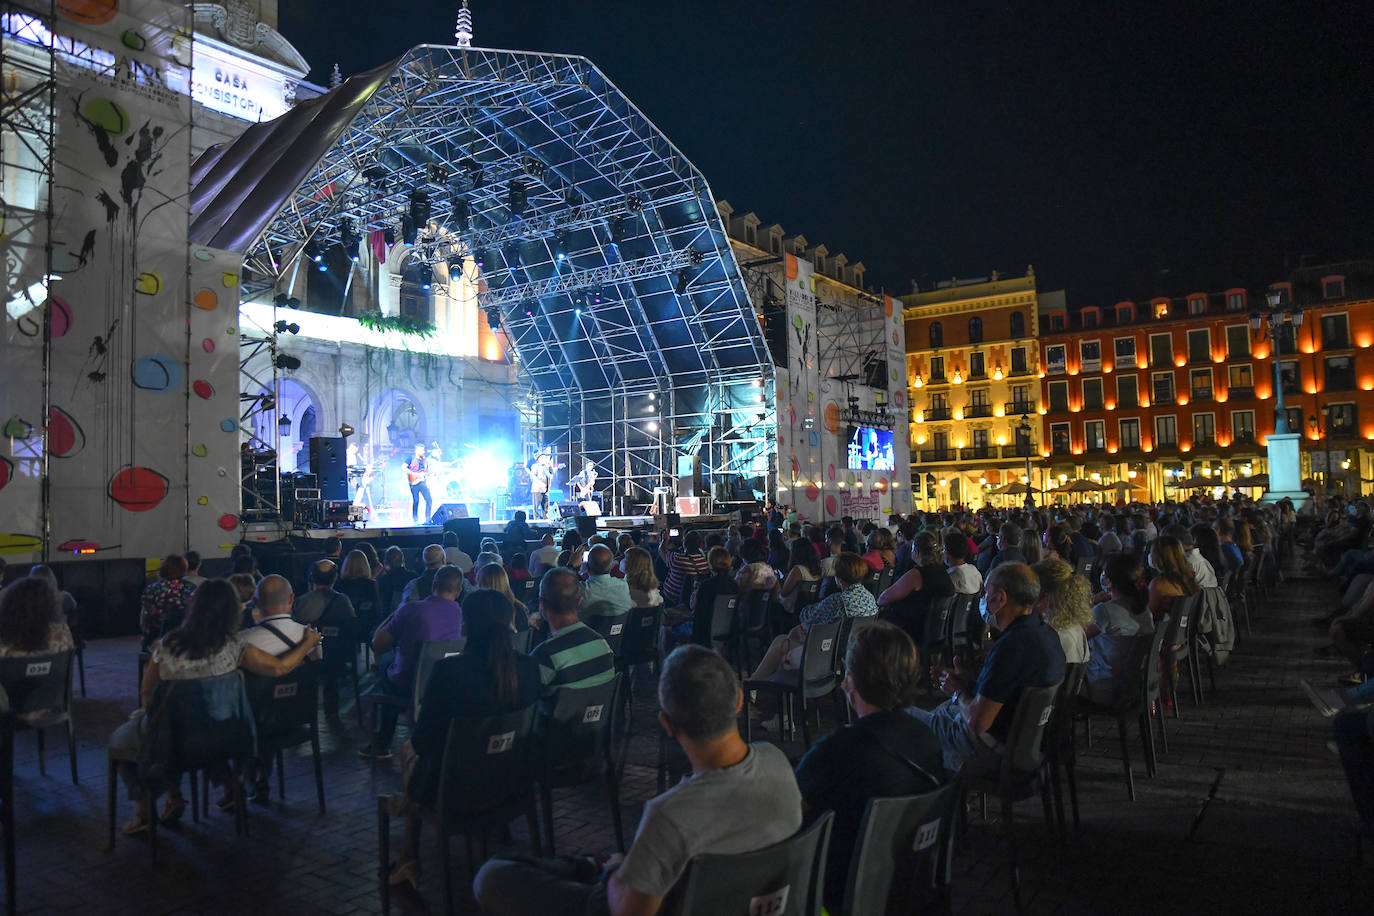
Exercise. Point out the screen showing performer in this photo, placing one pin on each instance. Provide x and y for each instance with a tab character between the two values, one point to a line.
871	449
417	473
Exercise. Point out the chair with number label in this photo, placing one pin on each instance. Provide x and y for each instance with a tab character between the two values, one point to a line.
609	628
430	653
574	748
784	879
286	715
339	646
901	862
39	688
813	680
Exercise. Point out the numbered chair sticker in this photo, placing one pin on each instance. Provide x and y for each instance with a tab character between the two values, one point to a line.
499	744
37	669
774	904
329	631
926	835
1045	716
826	644
592	714
284	690
616	628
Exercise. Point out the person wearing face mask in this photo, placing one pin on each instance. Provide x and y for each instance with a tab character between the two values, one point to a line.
973	724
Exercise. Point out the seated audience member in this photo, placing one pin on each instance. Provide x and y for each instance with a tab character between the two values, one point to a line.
454	555
574	552
834	543
421	586
518	531
544	557
689	562
519	570
489	678
573	655
485	558
777	548
192	558
757	576
603	595
207	644
357	585
882	754
1202	570
879	552
374	562
1031	546
322	604
32	623
1117	622
392	581
494	576
963	574
853	600
333	548
639	576
972	725
66	603
739	798
907	601
1066	604
244	585
398	642
1231	558
164	600
702	602
1174	576
1208	546
805	565
1354	732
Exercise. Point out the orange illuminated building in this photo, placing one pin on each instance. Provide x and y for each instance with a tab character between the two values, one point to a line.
1182	387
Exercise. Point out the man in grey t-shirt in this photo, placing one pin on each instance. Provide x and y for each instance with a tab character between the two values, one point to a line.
739	798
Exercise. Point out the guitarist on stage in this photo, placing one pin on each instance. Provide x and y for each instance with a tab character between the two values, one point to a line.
417	470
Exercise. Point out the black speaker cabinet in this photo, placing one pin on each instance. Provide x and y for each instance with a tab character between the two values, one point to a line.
328	462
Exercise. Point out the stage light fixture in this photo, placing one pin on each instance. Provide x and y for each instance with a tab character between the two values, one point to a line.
560	244
376	174
617	230
479	257
461	213
348	238
419	208
283	301
633	203
493	317
287	361
455	267
695	257
516	198
312	251
512	255
408	231
389	236
533	167
596	295
683	278
345	430
282	327
436	173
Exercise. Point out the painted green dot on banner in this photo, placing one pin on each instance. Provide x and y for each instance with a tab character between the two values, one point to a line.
200	451
231	331
229	425
797	322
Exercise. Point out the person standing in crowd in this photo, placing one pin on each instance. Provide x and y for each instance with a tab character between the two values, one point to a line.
164	600
518	533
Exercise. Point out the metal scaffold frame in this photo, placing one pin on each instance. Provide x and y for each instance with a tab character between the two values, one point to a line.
597	247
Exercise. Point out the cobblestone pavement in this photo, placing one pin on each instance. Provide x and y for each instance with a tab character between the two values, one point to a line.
1249	812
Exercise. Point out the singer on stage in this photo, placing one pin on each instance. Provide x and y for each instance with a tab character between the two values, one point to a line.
417	470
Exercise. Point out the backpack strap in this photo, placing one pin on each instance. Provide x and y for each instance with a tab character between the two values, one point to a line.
279	634
902	757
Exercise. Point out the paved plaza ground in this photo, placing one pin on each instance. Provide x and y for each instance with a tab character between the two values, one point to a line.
1249	812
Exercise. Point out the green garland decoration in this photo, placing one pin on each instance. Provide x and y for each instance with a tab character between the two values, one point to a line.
403	324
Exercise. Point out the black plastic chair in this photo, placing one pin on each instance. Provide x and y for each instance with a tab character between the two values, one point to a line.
1139	692
1020	774
1178	647
285	715
485	782
574	747
1061	750
901	860
935	635
7	813
339	647
430	653
183	736
959	634
40	686
609	628
815	679
725	628
784	879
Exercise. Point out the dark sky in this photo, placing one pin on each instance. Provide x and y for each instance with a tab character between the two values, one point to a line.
1125	149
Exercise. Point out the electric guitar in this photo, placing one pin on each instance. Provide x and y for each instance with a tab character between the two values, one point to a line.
416	477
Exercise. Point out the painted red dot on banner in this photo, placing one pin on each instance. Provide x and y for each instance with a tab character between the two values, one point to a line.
203	389
228	521
137	489
832	472
813	492
6	469
65	436
830	505
207	345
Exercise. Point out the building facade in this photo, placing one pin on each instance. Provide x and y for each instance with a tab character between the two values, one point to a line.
1182	388
972	363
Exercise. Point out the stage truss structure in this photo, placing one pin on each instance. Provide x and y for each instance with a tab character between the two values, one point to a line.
595	244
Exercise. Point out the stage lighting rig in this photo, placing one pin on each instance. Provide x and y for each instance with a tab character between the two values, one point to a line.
348	238
408	231
493	317
683	278
560	244
283	301
419	208
473	170
633	203
461	214
287	362
517	197
534	168
283	327
695	257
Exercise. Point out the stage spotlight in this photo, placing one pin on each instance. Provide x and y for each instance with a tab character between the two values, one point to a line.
389	236
695	257
617	229
348	238
282	327
283	301
312	251
512	255
479	257
345	430
533	167
560	244
287	361
683	278
529	305
375	174
516	198
408	231
455	267
493	317
596	295
461	213
633	203
419	208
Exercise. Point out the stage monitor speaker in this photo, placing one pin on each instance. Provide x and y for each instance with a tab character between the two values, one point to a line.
568	510
447	511
586	526
469	531
328	462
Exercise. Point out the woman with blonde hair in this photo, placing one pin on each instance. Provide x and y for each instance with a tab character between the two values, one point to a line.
1174	577
1031	547
360	588
493	576
1066	604
639	576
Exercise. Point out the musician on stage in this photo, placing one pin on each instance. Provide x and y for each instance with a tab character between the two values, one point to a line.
417	471
585	482
540	473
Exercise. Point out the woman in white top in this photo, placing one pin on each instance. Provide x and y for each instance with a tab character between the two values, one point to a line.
1117	623
639	576
206	644
1066	603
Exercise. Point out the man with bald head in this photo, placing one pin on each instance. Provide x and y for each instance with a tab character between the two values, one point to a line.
322	604
603	595
274	632
422	586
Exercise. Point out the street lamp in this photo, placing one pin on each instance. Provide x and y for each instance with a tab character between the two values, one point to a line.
1025	430
1270	325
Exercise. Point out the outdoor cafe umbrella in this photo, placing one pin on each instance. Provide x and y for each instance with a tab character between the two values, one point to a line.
1081	486
1197	483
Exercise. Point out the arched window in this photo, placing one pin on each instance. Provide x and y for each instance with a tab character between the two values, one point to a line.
975	330
937	334
1018	325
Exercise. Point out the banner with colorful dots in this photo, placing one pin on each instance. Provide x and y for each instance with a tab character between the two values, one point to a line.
141	441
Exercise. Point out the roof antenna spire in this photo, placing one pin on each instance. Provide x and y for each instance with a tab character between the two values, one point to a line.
335	78
464	31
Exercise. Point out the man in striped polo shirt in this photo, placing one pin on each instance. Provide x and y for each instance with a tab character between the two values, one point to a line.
573	655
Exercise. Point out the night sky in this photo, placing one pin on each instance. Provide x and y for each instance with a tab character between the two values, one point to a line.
1126	150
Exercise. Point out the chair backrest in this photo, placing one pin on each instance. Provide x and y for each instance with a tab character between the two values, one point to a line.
723	617
959	616
873	581
486	763
779	880
897	858
523	640
639	642
1025	737
1059	730
339	642
431	652
194	724
529	592
1182	611
756	610
818	652
937	621
283	705
1150	664
807	593
575	734
611	629
849	628
36	683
